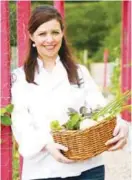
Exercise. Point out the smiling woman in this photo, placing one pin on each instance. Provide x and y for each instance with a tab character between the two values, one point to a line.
47	39
44	88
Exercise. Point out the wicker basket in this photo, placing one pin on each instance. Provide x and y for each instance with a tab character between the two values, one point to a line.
84	144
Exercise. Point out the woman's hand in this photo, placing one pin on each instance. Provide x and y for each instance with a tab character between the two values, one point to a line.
120	137
54	149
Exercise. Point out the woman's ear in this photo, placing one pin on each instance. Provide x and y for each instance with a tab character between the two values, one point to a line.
31	37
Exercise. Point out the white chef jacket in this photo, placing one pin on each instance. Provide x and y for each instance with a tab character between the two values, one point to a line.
35	106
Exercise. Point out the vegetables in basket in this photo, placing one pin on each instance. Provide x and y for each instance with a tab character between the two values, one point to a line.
85	119
77	120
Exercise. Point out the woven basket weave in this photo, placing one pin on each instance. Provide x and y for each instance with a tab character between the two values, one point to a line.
84	144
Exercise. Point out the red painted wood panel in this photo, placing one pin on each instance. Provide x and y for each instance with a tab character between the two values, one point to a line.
106	54
6	136
126	64
59	5
23	15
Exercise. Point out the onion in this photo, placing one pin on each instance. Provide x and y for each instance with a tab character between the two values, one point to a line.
87	123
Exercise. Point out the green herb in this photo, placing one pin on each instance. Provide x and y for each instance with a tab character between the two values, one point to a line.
74	121
114	107
72	124
55	125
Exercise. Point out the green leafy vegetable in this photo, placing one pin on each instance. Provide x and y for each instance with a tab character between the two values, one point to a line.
55	125
74	121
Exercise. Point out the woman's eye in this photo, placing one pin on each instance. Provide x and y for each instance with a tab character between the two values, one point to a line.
42	34
55	32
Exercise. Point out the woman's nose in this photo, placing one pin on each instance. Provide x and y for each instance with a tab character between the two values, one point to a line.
49	38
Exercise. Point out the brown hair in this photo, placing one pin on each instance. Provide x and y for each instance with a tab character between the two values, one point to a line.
39	16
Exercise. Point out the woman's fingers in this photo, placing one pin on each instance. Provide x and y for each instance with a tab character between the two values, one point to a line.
55	150
61	158
120	139
61	147
116	130
119	145
119	133
113	140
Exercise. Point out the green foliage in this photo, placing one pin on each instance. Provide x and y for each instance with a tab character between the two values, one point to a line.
5	115
115	107
91	23
5	120
113	12
115	87
83	28
75	118
13	31
74	121
112	43
55	125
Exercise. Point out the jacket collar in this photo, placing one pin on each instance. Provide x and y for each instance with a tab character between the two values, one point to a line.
40	62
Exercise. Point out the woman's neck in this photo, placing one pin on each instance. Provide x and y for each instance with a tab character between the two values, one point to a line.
48	62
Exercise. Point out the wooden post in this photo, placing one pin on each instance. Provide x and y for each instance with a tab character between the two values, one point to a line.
126	64
6	136
23	15
59	5
105	68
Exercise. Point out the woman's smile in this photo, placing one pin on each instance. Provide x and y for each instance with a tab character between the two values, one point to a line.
49	47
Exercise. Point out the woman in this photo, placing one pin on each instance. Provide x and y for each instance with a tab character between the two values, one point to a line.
42	90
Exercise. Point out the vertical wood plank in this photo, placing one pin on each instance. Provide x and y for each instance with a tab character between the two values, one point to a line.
6	136
23	15
126	64
59	5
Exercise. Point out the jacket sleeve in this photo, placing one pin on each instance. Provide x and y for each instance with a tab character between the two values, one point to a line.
93	96
31	140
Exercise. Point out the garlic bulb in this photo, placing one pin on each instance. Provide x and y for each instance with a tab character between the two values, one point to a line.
87	123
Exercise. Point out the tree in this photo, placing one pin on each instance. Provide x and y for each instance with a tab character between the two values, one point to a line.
89	23
112	43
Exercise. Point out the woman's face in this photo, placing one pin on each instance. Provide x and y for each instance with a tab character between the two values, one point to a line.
48	39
